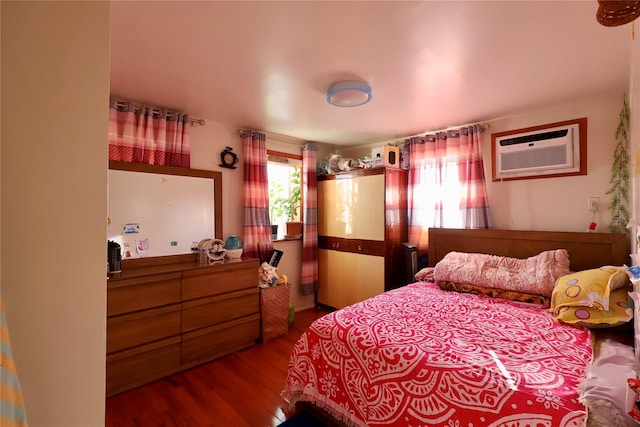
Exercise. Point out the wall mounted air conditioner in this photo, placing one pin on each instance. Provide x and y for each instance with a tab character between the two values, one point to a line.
540	152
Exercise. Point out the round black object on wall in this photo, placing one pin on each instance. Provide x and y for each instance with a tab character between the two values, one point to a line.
228	158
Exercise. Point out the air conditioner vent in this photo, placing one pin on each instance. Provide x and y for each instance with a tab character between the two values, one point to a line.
549	157
543	152
534	137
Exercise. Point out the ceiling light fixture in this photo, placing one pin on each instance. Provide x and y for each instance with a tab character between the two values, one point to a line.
350	93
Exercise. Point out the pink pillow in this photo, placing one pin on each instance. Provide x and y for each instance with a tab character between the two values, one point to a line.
533	275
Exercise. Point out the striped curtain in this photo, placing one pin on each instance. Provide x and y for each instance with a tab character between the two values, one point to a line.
257	240
12	412
309	276
148	135
446	183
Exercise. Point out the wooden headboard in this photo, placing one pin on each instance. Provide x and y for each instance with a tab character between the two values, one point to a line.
586	250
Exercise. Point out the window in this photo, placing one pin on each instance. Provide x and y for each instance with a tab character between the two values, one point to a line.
440	204
285	189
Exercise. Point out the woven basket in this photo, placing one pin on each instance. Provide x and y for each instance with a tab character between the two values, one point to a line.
274	307
612	13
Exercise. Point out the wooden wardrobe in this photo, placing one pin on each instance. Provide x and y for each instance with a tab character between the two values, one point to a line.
362	224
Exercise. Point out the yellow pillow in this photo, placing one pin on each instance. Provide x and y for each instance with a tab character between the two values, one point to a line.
588	288
620	311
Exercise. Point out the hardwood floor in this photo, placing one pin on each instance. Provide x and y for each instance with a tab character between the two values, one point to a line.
239	390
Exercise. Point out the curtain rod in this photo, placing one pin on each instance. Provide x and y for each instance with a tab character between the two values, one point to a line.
293	140
155	110
483	127
277	136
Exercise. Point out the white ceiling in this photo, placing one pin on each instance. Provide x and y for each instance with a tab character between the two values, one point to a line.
266	65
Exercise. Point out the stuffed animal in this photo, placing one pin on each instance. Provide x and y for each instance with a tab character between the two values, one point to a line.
267	274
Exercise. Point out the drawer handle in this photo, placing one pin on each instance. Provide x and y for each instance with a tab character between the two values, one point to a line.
360	248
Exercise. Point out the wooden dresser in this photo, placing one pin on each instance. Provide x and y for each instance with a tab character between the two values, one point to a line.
170	314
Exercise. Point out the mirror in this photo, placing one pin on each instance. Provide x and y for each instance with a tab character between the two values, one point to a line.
162	210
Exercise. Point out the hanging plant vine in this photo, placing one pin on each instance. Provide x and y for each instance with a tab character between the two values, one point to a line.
619	182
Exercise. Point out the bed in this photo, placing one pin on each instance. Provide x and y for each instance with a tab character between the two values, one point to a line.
424	355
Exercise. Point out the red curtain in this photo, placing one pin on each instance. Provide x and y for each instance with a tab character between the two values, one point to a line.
309	276
446	183
13	411
257	240
146	134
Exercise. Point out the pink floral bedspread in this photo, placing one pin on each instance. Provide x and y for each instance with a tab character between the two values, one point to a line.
420	356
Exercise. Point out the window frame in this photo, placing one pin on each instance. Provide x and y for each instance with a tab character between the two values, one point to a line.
297	157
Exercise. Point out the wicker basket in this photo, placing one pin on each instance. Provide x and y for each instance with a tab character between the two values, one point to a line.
274	307
612	13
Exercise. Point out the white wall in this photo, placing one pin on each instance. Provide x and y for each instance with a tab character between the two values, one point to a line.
207	142
554	204
55	91
558	204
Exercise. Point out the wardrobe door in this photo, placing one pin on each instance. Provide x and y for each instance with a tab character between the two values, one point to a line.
347	278
352	207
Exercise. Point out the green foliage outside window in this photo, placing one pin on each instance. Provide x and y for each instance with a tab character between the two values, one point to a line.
284	203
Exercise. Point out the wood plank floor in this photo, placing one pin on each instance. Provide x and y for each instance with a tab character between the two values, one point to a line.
239	390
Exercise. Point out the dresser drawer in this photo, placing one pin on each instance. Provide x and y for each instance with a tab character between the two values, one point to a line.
129	330
132	368
212	310
219	279
222	339
130	295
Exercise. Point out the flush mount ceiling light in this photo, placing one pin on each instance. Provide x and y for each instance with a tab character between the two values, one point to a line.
349	93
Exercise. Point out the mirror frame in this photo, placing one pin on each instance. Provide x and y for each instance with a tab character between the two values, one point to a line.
172	170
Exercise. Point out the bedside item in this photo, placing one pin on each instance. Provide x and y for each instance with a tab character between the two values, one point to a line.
233	246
